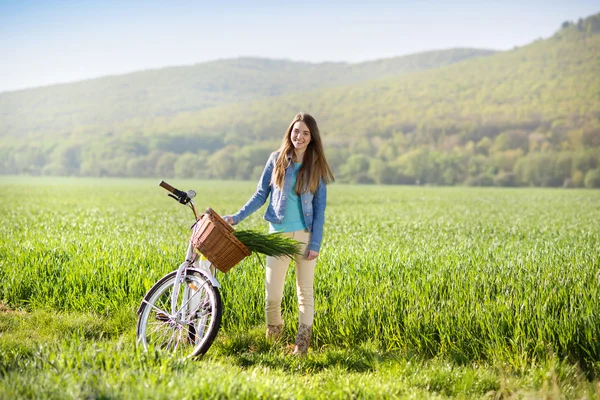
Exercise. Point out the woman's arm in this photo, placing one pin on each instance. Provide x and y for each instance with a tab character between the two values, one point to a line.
319	202
260	196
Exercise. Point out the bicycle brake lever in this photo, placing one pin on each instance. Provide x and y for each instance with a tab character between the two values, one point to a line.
181	197
184	199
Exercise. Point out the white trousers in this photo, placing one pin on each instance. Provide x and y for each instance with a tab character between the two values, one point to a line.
305	275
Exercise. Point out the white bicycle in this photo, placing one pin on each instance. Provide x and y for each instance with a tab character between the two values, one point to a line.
182	312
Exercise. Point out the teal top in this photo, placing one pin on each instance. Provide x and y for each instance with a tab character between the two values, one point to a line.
293	219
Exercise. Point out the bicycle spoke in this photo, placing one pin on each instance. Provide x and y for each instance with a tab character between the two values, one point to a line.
188	300
182	342
200	329
158	323
191	330
156	308
171	339
177	340
160	338
158	328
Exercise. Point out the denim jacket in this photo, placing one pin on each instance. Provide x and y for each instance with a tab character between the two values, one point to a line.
313	206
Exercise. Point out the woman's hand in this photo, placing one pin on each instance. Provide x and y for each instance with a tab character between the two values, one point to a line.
228	219
311	255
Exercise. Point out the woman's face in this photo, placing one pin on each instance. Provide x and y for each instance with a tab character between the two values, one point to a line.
300	136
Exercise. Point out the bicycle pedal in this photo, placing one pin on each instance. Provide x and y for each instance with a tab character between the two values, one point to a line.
161	316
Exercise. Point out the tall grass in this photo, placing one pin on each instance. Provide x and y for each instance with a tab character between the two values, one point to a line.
508	276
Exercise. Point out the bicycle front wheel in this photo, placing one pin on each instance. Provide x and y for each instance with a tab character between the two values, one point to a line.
191	330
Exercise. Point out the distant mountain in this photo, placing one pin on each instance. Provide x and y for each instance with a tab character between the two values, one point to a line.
529	116
169	91
547	81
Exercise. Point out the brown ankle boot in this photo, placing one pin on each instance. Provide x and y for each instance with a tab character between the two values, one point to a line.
274	332
302	339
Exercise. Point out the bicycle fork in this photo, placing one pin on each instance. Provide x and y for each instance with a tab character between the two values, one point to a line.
190	302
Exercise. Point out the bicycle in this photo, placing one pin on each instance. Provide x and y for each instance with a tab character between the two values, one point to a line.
182	311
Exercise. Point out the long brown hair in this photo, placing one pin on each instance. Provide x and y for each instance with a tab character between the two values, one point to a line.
314	164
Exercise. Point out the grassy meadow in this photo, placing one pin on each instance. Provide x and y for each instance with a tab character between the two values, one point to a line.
420	292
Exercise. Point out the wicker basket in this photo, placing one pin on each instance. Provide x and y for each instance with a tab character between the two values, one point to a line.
214	238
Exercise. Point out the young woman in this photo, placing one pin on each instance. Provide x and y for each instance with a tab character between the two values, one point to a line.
295	177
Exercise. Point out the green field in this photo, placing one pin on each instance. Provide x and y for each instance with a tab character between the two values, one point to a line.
419	292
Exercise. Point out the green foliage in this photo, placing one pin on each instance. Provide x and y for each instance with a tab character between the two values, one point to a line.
592	178
270	244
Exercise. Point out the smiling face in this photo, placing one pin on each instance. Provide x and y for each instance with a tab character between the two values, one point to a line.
300	136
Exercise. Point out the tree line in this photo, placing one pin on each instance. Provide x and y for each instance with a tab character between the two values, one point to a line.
512	158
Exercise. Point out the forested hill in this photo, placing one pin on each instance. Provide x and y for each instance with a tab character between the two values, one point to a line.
169	91
529	116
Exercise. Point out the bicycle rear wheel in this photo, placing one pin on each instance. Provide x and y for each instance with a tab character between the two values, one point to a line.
191	330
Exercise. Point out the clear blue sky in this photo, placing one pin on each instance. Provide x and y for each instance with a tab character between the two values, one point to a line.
46	42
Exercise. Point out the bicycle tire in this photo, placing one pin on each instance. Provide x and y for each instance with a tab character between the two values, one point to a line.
191	336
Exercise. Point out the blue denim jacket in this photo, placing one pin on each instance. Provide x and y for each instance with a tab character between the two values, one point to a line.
313	206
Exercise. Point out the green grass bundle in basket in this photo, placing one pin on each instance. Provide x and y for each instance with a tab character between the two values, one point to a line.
270	244
225	247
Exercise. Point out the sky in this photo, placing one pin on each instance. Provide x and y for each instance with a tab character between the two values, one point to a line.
45	42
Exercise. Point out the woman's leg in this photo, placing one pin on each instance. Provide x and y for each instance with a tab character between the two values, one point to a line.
305	274
275	279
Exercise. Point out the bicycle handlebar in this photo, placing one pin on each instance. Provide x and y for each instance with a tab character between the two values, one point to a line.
177	194
166	186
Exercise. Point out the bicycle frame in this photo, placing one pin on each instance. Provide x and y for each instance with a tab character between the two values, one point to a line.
182	311
193	261
197	264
